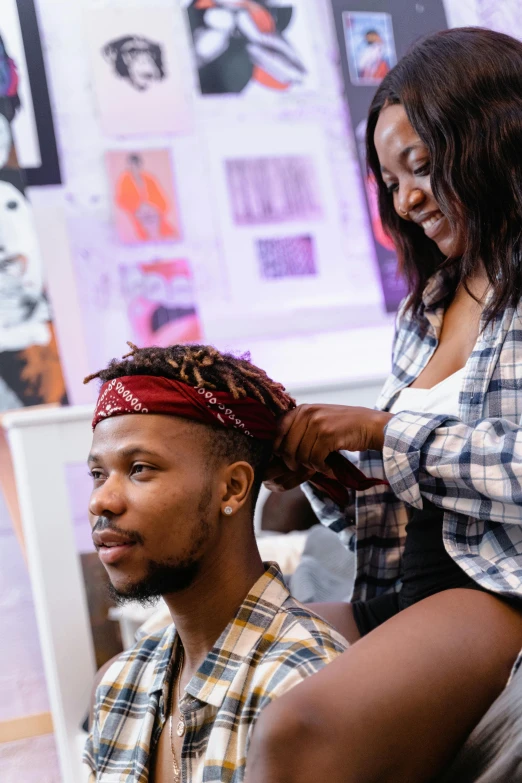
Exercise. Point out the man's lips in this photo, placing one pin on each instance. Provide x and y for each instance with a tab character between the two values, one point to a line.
111	546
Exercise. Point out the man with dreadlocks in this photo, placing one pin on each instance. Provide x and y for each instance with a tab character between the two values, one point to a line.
182	437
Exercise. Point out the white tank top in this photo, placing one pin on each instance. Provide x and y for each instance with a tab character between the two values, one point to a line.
442	398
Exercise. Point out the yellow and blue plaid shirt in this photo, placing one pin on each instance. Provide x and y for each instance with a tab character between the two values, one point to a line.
271	645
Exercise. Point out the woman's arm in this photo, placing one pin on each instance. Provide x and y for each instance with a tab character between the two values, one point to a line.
473	469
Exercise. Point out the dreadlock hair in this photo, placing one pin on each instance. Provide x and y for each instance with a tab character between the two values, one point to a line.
204	367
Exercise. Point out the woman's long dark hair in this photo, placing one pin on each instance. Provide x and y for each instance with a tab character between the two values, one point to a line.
462	92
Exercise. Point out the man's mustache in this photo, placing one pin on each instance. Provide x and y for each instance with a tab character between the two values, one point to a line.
104	523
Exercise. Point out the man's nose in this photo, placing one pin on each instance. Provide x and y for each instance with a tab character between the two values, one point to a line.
107	499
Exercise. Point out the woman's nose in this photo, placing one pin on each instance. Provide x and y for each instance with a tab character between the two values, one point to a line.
408	199
107	500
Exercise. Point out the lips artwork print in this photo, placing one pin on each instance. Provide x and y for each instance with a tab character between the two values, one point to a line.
241	43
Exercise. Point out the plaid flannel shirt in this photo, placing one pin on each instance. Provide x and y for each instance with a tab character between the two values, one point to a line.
470	466
271	645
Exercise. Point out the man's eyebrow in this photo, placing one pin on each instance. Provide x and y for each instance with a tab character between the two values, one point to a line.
127	453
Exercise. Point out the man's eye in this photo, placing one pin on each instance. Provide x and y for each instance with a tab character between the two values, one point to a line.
140	468
96	475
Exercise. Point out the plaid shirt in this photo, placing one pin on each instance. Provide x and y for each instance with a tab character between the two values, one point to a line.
271	645
470	466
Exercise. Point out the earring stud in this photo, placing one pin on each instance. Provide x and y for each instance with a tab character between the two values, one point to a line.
228	510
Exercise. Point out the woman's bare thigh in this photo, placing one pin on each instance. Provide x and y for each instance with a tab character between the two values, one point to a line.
399	703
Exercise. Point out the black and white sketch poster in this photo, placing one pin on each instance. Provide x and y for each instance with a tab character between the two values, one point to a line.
140	62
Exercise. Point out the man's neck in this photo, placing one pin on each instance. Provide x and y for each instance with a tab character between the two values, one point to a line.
204	610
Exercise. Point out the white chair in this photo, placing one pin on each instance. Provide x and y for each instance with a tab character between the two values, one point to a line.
43	443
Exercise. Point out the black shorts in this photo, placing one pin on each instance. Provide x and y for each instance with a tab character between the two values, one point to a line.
426	569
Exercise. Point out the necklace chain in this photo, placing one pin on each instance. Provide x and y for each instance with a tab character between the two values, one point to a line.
181	723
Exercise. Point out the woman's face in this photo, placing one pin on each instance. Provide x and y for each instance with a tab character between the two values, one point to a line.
405	168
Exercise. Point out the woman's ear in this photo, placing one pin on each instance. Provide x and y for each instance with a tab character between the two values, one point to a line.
239	478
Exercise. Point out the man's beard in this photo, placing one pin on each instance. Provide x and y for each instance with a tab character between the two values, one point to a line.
162	577
169	576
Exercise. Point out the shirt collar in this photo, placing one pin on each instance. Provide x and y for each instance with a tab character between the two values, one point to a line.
235	645
437	288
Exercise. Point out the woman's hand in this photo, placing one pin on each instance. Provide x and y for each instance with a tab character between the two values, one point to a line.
309	433
279	478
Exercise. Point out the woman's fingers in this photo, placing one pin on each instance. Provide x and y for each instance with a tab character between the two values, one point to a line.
309	435
278	477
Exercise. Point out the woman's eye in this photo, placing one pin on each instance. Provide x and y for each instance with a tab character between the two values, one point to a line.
423	170
392	188
96	475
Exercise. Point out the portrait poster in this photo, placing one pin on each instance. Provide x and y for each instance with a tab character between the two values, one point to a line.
30	370
24	95
161	302
278	219
143	196
139	65
255	48
370	46
372	37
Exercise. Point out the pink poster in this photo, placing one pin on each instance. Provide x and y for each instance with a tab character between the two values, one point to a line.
161	302
142	191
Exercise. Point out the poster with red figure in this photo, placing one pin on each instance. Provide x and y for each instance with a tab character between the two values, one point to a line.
161	302
143	195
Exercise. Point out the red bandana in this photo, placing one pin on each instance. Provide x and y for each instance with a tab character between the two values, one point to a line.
155	394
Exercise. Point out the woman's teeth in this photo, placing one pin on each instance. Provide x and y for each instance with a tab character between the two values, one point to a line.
431	220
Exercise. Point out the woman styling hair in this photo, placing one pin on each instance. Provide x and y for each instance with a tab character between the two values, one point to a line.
436	612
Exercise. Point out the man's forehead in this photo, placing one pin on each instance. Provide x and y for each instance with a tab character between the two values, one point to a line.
151	431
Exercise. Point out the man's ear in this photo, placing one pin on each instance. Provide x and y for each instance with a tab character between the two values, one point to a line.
239	478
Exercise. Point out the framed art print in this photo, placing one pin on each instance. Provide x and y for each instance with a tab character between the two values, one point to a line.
24	96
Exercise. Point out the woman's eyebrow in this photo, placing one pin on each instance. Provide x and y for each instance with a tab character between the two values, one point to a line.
404	153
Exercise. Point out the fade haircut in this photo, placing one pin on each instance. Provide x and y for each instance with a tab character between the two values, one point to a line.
204	367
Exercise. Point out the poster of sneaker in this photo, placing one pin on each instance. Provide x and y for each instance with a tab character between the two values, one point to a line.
251	46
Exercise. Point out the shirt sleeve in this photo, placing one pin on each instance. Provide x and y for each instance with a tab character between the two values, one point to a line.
472	469
88	761
327	511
